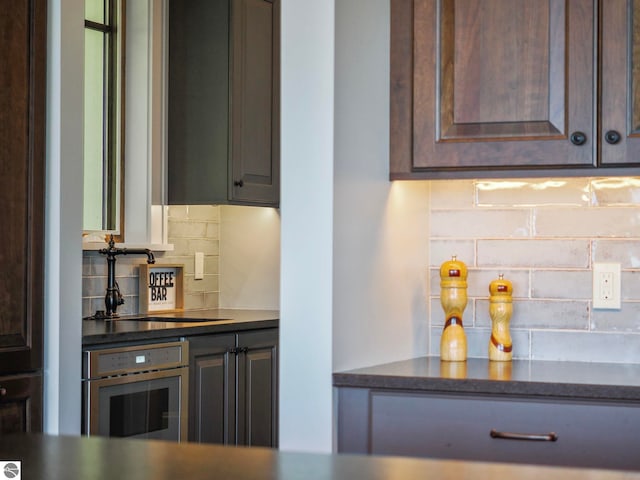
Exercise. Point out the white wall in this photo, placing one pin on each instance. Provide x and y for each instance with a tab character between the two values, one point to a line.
249	257
63	243
381	233
354	246
306	228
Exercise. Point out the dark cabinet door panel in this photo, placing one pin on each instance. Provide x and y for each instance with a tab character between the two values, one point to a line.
22	99
234	388
619	134
212	389
256	101
21	403
499	83
257	389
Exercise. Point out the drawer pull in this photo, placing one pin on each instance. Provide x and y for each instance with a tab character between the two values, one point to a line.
547	437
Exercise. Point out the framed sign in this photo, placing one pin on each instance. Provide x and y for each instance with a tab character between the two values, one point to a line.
161	288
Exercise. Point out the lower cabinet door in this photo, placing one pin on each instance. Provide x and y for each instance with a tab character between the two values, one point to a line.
499	429
233	388
212	404
21	403
257	388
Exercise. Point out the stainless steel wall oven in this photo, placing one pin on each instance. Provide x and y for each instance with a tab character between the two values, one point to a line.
136	391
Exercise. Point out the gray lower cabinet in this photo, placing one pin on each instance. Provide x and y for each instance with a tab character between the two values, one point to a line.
233	385
594	434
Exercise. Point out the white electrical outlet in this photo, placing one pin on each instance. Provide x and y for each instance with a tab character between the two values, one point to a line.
199	266
606	285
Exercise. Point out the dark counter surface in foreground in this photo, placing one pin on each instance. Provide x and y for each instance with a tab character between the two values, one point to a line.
163	325
519	377
96	458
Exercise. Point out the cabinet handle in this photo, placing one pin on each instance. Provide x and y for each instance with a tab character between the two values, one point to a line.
239	183
612	137
578	138
548	437
3	391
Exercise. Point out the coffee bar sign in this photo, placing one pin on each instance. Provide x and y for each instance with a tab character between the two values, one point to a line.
161	288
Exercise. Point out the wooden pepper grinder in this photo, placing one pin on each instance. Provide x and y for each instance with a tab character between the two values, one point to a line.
500	310
453	297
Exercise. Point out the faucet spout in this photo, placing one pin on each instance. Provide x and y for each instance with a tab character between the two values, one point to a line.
113	297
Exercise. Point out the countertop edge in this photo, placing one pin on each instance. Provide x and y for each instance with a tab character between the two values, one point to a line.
560	380
110	332
573	391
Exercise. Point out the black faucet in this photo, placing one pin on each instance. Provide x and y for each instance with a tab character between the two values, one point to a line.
113	298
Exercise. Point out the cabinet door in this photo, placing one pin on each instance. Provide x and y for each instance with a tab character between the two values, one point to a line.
619	133
22	96
198	102
491	84
255	86
21	404
257	388
212	389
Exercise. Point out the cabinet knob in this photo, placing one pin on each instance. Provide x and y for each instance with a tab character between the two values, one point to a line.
612	137
3	391
238	183
578	138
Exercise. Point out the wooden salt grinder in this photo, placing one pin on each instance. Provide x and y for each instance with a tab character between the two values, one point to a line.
453	297
500	310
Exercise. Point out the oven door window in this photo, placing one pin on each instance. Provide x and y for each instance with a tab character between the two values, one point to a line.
144	408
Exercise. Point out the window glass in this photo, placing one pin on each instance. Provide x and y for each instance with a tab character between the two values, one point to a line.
102	117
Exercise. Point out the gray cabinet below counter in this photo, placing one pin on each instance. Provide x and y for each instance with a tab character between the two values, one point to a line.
233	388
414	408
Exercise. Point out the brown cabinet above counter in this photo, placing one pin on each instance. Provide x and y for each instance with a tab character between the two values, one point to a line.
502	88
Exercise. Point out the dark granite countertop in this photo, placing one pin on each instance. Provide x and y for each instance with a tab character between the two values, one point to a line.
575	380
98	458
176	324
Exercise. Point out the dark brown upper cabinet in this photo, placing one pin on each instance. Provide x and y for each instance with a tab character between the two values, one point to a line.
22	182
223	105
514	88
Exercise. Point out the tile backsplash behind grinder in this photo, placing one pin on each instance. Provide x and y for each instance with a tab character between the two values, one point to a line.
544	235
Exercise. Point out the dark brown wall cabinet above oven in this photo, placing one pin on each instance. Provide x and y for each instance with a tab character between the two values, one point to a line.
223	120
503	88
234	388
22	160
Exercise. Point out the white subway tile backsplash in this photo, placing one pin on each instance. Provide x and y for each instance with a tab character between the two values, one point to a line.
561	284
442	250
451	194
556	314
587	222
616	191
548	191
187	229
584	347
533	253
544	235
491	223
210	213
627	319
625	252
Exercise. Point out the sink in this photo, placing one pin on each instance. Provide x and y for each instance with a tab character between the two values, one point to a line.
173	319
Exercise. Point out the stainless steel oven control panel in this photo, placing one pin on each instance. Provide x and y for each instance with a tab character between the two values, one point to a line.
134	359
